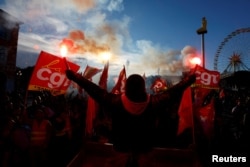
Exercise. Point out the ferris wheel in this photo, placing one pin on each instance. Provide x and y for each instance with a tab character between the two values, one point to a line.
233	54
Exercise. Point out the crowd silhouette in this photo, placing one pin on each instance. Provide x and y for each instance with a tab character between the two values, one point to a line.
49	132
66	127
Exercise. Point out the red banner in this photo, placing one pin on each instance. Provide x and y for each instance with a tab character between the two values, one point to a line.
91	112
206	117
185	111
104	77
159	85
89	72
49	74
206	78
120	84
206	81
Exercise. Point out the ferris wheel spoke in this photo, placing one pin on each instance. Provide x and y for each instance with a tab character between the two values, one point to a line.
233	54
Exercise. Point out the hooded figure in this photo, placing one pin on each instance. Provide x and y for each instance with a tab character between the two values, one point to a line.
133	112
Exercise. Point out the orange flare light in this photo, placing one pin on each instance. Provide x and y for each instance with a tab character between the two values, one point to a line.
195	61
63	50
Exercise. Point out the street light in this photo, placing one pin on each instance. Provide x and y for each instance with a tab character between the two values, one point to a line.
201	31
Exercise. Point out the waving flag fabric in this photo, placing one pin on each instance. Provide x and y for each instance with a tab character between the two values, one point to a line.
91	112
104	77
206	78
93	107
185	111
202	111
120	84
206	116
158	85
49	74
206	83
89	72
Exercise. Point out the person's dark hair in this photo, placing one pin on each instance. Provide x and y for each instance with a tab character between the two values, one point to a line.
135	88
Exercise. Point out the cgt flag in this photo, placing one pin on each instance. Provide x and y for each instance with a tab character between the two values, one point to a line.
49	74
206	78
207	82
159	85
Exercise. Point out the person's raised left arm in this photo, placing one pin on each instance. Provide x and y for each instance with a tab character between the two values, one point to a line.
174	94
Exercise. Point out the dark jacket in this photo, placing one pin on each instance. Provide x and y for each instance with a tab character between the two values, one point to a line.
132	123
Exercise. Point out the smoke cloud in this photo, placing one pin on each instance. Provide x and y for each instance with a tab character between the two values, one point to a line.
89	31
170	62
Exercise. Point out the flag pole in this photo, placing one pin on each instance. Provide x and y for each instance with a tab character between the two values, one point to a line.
192	95
66	63
193	129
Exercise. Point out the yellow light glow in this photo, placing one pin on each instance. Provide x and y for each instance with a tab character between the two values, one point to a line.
105	56
195	60
63	50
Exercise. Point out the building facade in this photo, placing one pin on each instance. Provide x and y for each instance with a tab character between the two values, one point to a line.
9	28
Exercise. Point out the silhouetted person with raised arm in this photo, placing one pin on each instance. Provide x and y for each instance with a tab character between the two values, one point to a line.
133	112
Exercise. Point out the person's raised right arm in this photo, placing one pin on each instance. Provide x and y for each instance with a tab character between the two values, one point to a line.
91	88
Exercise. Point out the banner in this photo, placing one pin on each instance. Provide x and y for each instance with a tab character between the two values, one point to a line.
91	112
49	74
206	115
120	84
185	111
92	106
159	85
89	72
104	77
204	88
206	78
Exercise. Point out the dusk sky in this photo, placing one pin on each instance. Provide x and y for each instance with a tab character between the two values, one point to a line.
147	36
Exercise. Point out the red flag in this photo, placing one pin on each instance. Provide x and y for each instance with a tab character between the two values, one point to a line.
159	85
120	84
90	115
92	105
204	110
206	78
104	77
49	74
185	111
206	82
206	117
89	72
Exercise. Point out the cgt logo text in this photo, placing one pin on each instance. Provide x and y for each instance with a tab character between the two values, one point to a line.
217	158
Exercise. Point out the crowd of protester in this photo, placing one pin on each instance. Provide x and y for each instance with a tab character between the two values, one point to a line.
48	132
62	132
231	130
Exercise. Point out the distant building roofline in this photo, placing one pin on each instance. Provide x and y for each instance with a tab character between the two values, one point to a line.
5	15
